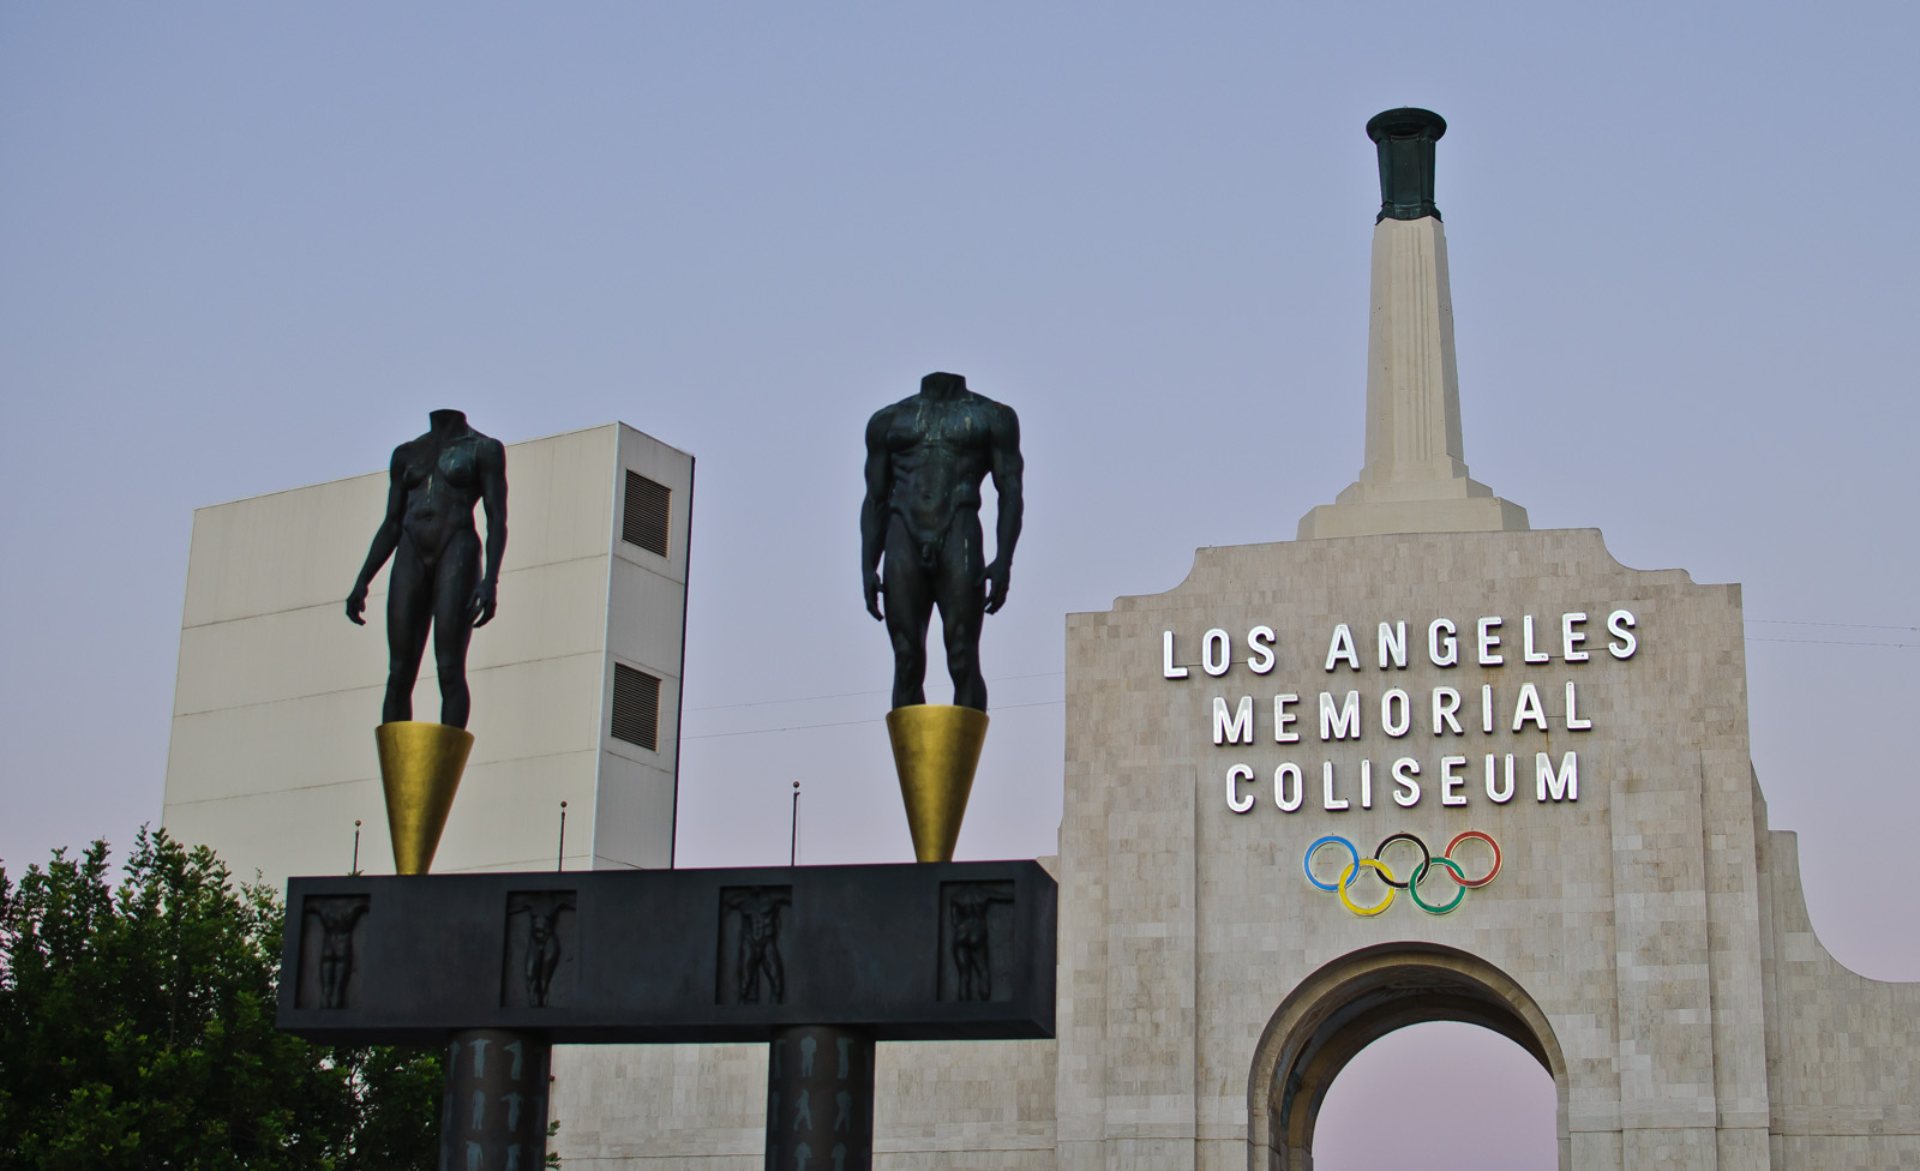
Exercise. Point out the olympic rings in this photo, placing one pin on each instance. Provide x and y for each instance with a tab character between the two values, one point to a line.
1315	848
1346	876
1426	857
1415	877
1459	892
1491	844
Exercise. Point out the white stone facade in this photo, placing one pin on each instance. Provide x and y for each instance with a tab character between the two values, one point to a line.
1647	940
271	757
1415	478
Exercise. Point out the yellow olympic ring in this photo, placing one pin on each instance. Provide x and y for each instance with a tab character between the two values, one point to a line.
1346	877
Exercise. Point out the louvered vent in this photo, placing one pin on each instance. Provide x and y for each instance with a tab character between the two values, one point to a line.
636	707
645	522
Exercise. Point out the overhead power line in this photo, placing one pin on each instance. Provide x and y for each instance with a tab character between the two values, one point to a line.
848	723
720	707
1057	674
1848	625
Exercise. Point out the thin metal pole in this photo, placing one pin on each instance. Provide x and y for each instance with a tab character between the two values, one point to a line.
356	847
560	857
793	843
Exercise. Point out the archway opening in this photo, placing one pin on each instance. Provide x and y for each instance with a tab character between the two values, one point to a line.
1443	1096
1356	1000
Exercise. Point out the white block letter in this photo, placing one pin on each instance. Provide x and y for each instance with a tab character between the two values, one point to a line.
1288	801
1328	801
1237	729
1571	637
1260	641
1561	786
1527	707
1340	648
1236	800
1393	645
1166	658
1489	643
1620	626
1282	719
1341	725
1406	792
1497	793
1216	652
1526	643
1574	721
1396	713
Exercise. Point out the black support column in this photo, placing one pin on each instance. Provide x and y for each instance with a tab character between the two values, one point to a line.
820	1099
493	1116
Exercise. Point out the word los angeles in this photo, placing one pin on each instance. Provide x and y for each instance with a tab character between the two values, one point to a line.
1335	715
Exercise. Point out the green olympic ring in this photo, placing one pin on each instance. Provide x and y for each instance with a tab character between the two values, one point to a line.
1415	877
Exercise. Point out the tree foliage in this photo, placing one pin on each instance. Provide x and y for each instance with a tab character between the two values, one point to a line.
136	1031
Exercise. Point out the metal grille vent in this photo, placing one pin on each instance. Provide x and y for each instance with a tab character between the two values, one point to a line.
636	707
645	520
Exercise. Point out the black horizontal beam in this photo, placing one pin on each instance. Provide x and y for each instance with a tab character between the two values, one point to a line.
926	951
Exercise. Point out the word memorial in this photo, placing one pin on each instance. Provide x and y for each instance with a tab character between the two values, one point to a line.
1442	713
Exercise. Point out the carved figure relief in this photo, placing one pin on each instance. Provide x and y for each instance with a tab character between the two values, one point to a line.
326	945
539	938
750	963
976	933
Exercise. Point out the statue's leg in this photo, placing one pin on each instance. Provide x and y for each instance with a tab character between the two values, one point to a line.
409	610
453	625
909	607
961	588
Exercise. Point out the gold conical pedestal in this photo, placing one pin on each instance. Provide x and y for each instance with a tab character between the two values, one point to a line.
936	747
420	767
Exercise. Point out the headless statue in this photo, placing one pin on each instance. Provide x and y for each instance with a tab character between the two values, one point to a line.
437	579
920	539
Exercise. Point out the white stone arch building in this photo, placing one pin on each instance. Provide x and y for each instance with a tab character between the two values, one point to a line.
1646	937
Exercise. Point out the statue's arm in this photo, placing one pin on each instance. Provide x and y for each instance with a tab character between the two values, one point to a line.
873	510
1006	467
385	539
493	497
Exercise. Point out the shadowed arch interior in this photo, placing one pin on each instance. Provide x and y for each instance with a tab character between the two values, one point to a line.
1354	1001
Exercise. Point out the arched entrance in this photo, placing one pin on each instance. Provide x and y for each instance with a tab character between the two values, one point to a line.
1357	999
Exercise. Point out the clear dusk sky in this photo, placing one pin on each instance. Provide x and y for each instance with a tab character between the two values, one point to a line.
249	247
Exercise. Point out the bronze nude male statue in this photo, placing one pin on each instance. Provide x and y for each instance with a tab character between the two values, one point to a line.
437	580
920	536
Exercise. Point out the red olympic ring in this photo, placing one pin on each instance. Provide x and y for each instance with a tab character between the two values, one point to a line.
1491	845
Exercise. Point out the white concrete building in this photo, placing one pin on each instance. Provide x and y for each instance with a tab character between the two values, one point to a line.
576	681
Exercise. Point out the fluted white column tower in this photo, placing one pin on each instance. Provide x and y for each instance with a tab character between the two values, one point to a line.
1415	479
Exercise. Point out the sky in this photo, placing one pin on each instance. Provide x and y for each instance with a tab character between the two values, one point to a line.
248	247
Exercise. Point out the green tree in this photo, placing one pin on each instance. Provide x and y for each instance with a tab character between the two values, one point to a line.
136	1032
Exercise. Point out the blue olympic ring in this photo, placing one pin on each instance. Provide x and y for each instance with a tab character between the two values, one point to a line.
1307	862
